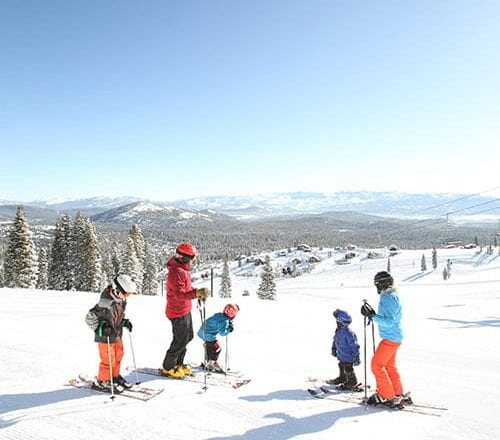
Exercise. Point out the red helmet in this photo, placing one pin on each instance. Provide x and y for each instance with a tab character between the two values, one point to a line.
231	310
187	249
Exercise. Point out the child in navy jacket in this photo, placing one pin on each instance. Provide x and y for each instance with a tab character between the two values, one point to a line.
217	324
345	348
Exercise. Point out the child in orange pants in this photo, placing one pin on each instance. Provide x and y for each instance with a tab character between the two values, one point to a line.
107	319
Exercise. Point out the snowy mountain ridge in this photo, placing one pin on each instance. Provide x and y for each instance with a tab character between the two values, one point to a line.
395	204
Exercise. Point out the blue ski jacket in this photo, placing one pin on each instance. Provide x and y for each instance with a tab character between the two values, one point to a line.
345	345
389	315
216	324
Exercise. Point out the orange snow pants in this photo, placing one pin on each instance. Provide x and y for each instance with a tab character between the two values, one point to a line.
385	371
116	356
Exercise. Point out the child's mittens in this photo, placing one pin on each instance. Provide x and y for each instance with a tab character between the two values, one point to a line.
334	352
356	361
230	326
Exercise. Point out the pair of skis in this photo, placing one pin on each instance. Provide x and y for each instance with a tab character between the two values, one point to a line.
234	379
332	393
137	391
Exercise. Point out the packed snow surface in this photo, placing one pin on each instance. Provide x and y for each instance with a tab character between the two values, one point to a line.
449	358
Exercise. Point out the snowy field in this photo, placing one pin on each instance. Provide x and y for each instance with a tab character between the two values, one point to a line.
449	357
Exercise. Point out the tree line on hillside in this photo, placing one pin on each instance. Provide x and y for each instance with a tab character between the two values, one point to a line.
74	260
217	240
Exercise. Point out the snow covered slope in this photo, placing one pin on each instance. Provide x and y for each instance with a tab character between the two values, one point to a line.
449	357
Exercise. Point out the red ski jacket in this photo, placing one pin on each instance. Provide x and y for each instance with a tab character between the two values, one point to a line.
180	293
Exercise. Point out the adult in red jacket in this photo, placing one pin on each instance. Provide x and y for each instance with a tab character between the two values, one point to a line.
180	294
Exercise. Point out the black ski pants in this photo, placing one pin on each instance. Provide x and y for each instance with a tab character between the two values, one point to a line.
182	334
212	350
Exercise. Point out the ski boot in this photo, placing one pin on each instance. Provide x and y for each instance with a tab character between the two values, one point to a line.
186	369
213	366
107	387
174	373
337	381
120	380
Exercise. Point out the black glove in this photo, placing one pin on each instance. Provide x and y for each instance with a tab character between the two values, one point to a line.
356	361
334	352
127	324
367	310
230	326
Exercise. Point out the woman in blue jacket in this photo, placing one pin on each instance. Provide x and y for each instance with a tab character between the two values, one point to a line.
388	318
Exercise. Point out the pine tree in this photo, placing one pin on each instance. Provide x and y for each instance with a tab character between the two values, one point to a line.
61	276
267	287
77	253
423	264
131	265
135	234
115	259
389	264
43	269
1	272
21	259
445	273
150	280
225	282
91	260
434	258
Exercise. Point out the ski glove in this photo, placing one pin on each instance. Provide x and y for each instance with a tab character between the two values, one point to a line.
230	326
127	324
202	293
367	310
356	361
334	352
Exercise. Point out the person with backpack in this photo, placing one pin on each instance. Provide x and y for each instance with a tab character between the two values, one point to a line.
107	320
383	364
220	323
345	348
180	294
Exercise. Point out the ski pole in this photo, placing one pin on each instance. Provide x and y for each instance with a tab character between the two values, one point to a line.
203	326
137	382
110	371
226	357
364	354
373	336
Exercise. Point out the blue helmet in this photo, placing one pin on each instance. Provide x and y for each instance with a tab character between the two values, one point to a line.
342	317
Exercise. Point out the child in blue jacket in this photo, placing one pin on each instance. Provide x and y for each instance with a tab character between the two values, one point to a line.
217	324
345	348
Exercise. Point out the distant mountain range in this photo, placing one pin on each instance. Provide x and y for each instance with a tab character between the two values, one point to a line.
388	204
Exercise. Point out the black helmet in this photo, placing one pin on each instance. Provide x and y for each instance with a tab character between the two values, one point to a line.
383	280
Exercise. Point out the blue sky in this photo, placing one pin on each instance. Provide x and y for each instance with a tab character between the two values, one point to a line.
174	99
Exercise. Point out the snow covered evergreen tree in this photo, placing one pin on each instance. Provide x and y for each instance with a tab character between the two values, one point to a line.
116	261
423	264
225	282
434	258
150	280
77	252
61	261
91	264
43	269
21	258
1	266
137	237
389	264
131	265
267	287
